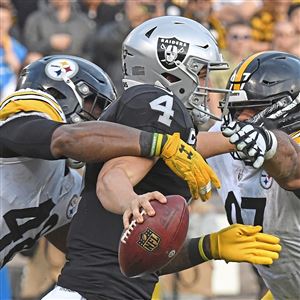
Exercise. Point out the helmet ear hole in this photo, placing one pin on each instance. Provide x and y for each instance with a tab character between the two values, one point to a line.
170	77
55	93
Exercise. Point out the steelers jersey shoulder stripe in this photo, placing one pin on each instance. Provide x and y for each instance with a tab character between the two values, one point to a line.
24	114
31	101
296	137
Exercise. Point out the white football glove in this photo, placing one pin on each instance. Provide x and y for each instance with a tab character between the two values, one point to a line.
257	143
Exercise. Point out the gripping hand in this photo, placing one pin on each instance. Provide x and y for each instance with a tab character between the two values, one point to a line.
244	243
257	143
188	164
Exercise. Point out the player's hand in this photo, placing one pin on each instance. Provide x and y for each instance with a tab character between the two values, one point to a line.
188	164
141	201
244	243
257	143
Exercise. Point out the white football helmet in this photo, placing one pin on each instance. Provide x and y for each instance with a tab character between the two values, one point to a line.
172	50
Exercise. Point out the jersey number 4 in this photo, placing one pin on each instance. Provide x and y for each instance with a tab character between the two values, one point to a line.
165	105
256	204
36	216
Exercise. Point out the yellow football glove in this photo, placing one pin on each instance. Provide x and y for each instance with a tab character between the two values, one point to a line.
188	164
244	243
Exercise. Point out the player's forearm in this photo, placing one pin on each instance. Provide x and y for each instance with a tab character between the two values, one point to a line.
188	256
116	181
96	141
213	143
284	166
114	190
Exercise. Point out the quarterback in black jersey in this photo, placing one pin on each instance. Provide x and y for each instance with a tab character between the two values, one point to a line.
97	272
92	269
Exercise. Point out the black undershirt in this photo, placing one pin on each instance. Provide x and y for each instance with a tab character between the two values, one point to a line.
28	137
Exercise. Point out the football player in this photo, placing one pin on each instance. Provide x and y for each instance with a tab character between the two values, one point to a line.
39	191
264	189
172	55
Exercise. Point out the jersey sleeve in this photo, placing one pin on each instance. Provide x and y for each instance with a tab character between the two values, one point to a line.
30	102
28	137
152	109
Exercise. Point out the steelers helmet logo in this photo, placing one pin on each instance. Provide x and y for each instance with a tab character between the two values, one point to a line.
265	180
57	67
72	207
171	50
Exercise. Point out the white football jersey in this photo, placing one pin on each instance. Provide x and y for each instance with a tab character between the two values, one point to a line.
252	197
36	196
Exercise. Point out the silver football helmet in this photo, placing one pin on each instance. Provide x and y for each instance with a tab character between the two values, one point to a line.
172	51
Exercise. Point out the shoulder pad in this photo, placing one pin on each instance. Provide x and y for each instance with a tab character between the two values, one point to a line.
27	102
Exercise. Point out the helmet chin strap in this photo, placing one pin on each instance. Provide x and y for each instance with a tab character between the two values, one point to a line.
70	83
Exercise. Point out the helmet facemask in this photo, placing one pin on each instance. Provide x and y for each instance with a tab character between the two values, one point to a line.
90	102
197	102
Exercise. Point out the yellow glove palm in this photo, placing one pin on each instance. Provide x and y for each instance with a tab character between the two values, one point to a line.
244	243
188	164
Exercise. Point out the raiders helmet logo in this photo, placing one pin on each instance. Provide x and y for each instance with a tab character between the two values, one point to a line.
170	50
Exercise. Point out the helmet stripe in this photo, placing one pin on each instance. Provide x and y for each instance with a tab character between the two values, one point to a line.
240	72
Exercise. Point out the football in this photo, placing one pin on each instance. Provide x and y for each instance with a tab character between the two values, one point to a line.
146	247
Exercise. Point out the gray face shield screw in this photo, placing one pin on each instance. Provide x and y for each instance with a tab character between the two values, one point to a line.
75	119
84	89
195	68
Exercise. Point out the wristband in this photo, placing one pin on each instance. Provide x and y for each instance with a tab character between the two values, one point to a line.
201	250
196	252
152	143
156	144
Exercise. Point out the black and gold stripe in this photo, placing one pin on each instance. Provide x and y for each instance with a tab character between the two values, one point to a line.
238	78
296	136
31	102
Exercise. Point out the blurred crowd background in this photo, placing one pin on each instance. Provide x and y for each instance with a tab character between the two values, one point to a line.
95	29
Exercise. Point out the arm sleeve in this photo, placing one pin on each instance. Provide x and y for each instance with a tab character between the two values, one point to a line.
28	137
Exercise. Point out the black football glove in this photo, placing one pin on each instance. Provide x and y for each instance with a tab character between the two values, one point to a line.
283	114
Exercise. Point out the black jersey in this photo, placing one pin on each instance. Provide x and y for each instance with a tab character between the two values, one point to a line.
92	260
